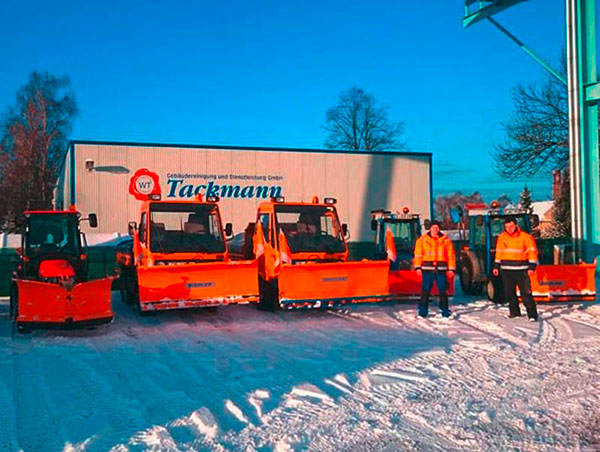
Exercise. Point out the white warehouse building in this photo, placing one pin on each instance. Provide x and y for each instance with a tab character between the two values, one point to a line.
110	178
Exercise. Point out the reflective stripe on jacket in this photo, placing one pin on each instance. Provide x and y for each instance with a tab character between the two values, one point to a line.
434	253
516	252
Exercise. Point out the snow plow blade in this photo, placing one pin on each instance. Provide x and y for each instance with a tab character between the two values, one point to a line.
318	285
46	303
197	285
406	285
564	282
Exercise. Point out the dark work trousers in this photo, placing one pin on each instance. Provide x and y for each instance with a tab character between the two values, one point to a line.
510	280
429	277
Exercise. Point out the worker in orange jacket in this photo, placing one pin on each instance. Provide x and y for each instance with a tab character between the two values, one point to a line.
516	259
435	261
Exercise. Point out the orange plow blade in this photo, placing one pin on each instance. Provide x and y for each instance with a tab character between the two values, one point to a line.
327	284
406	285
40	302
91	300
564	282
197	285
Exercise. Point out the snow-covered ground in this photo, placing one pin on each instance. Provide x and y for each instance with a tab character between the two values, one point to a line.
362	378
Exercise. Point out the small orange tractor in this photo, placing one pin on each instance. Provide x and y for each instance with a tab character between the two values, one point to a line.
553	280
179	259
50	285
395	238
303	258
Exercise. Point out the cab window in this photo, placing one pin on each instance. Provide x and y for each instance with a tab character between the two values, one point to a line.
143	228
264	222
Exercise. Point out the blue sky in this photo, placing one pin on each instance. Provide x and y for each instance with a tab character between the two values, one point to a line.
263	73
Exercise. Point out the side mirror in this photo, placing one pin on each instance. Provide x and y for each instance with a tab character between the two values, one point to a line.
131	228
427	224
345	231
228	230
93	220
535	221
455	215
373	225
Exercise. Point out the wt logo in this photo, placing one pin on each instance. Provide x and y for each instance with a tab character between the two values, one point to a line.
143	184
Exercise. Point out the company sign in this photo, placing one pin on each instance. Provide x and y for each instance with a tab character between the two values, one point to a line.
185	185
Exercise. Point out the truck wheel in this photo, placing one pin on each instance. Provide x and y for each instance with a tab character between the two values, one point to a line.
269	296
494	290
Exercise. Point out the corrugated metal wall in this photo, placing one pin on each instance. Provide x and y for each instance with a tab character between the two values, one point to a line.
360	182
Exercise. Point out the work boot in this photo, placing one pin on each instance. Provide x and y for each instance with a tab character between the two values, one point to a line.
424	304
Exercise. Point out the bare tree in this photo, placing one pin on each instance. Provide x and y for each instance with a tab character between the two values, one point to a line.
357	122
443	204
537	134
33	143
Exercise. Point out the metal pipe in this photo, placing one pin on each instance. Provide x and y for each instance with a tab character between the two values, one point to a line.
527	50
574	125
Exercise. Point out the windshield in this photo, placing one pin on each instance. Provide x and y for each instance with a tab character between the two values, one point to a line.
405	234
182	228
310	228
52	232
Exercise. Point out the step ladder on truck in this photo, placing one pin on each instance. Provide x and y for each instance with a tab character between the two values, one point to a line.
554	280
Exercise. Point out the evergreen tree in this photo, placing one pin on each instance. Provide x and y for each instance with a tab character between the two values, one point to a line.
561	214
525	202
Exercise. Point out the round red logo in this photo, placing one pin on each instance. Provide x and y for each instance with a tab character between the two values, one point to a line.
143	184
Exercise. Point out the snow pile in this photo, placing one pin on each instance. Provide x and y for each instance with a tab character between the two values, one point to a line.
364	378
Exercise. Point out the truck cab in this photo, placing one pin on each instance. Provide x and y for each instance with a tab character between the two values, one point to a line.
552	281
303	257
477	258
179	258
405	229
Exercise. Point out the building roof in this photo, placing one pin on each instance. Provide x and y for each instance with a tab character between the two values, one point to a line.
542	208
248	148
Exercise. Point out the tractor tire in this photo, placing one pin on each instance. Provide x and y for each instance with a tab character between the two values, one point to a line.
466	277
494	290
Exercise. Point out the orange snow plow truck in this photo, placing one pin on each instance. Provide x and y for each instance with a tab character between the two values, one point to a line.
179	259
50	285
303	258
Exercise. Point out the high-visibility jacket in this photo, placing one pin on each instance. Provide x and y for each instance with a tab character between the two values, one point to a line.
516	251
434	253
